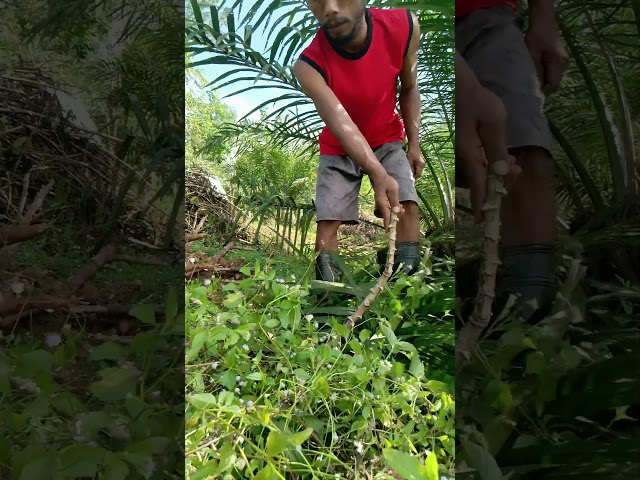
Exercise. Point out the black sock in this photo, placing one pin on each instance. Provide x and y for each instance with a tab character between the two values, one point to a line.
529	272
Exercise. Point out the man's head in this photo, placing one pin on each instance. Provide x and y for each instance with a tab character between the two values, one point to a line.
341	20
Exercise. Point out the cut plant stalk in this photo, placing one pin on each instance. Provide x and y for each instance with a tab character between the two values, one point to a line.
384	278
481	314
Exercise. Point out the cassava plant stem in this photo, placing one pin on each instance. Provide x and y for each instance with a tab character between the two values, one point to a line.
481	314
384	278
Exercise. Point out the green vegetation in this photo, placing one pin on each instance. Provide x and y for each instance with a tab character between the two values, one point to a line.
277	387
90	378
560	400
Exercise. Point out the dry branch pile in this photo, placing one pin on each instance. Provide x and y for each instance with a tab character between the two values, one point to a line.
204	203
40	139
199	264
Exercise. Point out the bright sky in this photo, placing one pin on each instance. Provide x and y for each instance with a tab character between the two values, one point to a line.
246	101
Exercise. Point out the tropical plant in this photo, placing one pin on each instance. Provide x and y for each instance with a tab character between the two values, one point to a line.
222	34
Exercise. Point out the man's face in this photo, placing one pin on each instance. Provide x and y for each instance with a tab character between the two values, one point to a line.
340	19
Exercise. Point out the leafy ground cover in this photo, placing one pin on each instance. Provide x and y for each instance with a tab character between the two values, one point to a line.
275	392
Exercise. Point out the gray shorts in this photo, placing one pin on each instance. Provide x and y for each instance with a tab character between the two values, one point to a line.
339	179
493	45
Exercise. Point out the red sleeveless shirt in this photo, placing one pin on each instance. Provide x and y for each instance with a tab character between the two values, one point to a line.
464	7
365	82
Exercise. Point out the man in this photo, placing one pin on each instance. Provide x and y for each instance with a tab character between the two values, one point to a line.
351	71
520	71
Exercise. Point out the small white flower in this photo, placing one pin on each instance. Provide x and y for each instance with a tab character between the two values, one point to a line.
241	439
330	366
280	280
334	396
238	377
49	310
248	336
298	448
293	277
245	347
242	384
17	288
207	281
249	403
237	390
316	325
52	340
308	317
241	400
335	438
358	445
214	365
192	260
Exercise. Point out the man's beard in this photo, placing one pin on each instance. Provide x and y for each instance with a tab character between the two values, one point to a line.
349	37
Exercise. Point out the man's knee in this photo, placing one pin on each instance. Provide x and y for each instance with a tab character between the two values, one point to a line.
537	167
410	208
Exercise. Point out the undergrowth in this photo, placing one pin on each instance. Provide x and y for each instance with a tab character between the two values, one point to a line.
275	392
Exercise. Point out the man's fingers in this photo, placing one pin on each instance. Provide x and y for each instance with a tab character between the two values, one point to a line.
478	192
553	72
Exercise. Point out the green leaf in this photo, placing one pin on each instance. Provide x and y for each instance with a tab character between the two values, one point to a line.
267	473
33	363
144	312
116	384
479	458
255	376
39	468
106	351
405	465
81	460
416	368
202	400
300	437
277	443
115	469
149	446
233	300
66	403
196	345
431	467
92	422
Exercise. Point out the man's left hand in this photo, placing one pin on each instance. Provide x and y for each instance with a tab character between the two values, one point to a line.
414	155
549	55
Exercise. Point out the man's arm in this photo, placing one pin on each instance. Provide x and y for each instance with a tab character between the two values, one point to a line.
545	45
410	107
355	145
338	120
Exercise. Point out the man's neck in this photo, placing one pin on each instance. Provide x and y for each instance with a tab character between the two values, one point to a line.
357	43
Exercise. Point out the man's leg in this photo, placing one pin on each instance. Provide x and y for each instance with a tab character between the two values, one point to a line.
394	160
337	188
494	47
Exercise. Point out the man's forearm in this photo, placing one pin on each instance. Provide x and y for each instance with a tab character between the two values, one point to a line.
411	109
542	10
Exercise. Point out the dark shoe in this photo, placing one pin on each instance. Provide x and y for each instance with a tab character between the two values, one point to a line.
528	272
326	268
407	253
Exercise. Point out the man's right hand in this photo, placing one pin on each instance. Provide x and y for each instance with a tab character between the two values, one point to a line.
386	193
481	135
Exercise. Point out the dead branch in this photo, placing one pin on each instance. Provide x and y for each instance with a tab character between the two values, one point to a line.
481	314
139	260
384	278
84	274
36	205
192	237
22	233
227	248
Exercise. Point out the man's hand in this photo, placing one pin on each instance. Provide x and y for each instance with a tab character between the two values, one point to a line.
545	45
481	135
386	193
414	155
